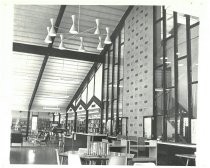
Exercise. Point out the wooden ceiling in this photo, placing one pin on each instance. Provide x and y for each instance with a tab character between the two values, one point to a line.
62	76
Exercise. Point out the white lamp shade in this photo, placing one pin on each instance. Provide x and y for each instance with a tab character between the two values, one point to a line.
100	47
97	31
107	39
48	38
61	46
81	47
52	30
73	29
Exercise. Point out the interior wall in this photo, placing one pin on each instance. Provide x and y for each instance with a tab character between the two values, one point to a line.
138	68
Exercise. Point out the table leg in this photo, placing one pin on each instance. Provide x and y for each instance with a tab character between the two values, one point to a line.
187	162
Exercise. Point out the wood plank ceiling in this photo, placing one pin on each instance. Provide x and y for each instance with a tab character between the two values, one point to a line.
61	77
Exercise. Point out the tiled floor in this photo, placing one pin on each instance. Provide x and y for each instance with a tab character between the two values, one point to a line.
33	155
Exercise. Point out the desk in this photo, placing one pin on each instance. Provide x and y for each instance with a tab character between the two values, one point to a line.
186	156
91	158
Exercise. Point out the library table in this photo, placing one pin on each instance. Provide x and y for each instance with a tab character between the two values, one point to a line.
186	156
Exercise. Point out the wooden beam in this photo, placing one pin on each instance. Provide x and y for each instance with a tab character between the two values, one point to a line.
57	23
54	52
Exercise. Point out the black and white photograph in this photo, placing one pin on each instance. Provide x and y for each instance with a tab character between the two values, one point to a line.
104	84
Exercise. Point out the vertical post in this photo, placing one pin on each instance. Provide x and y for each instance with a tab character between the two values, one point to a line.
189	76
75	121
176	75
154	132
112	96
118	84
53	117
107	97
27	128
102	99
59	119
66	125
164	77
86	124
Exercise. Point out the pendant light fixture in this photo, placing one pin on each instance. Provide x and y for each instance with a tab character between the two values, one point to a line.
75	33
48	38
100	47
61	46
73	29
81	47
52	32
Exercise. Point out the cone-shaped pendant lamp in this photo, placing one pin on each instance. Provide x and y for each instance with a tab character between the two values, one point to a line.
48	38
73	29
97	31
52	30
107	39
61	46
81	47
100	47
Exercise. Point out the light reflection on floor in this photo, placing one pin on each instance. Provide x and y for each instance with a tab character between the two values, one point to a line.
33	155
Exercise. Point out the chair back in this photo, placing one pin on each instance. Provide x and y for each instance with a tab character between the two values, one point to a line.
118	160
74	159
57	157
149	164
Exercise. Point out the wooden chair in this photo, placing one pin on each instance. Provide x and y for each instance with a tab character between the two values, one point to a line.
44	140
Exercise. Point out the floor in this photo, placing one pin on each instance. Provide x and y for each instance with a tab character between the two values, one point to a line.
33	155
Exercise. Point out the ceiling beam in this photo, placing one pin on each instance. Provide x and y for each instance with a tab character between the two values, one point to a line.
67	54
57	23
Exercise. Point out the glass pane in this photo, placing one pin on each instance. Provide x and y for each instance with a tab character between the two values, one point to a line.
182	44
105	84
170	102
121	61
90	89
182	127
170	63
169	23
159	90
115	81
159	47
84	95
182	84
122	35
98	82
121	99
194	100
116	49
106	60
110	67
170	128
194	52
159	127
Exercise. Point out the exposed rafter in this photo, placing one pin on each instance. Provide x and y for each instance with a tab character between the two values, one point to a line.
67	54
57	23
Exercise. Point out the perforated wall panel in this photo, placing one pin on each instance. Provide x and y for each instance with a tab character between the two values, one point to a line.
138	68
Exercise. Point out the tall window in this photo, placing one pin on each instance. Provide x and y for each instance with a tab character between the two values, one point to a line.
34	123
175	93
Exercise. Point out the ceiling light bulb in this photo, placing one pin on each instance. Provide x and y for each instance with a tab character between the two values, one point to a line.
100	47
81	48
107	39
61	46
52	30
73	29
97	31
48	38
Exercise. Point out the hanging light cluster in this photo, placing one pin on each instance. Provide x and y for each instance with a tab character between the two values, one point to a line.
74	31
